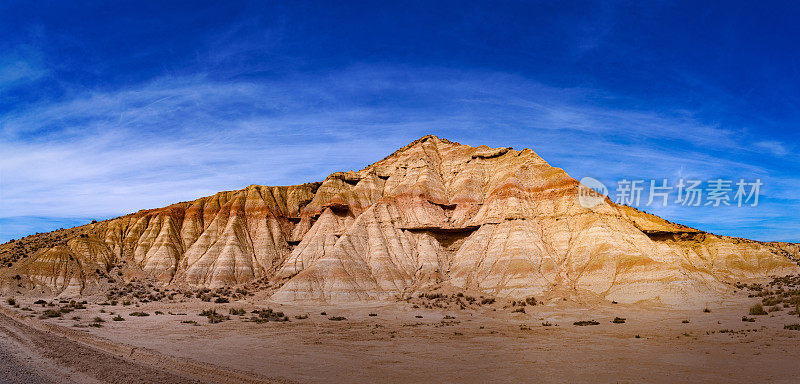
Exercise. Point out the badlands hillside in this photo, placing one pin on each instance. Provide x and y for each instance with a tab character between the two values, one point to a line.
435	216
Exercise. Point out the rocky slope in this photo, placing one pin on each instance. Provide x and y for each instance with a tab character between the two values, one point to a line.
433	215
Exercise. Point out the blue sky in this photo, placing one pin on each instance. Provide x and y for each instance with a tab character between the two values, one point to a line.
108	108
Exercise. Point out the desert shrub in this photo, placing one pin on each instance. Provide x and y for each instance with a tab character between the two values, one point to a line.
301	317
237	311
139	314
40	302
337	318
748	319
583	323
519	310
221	300
189	322
757	310
488	300
685	321
50	313
530	301
12	302
118	318
266	315
547	324
770	301
793	327
432	296
775	308
98	320
373	314
618	320
706	310
213	316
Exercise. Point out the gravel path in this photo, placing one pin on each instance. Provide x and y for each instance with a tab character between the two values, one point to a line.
26	351
14	369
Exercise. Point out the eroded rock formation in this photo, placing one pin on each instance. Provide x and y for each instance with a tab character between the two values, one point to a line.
434	214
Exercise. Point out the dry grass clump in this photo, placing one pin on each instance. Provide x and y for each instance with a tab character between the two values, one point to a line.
440	300
267	315
213	316
237	312
757	310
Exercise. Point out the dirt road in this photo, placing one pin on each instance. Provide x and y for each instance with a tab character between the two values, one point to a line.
46	349
35	352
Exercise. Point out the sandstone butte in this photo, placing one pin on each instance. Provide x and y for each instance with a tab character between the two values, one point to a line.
434	215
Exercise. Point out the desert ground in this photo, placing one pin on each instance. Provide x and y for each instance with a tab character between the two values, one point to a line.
395	342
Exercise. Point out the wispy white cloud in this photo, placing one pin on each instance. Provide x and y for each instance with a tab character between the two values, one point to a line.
102	154
774	147
19	66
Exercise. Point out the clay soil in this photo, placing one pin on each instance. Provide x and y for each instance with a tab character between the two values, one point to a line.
399	344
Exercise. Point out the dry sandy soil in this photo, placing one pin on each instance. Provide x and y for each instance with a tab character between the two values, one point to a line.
489	344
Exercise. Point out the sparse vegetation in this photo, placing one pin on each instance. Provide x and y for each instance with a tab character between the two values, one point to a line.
618	320
757	310
583	323
50	313
337	318
267	315
793	327
213	316
139	314
118	318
